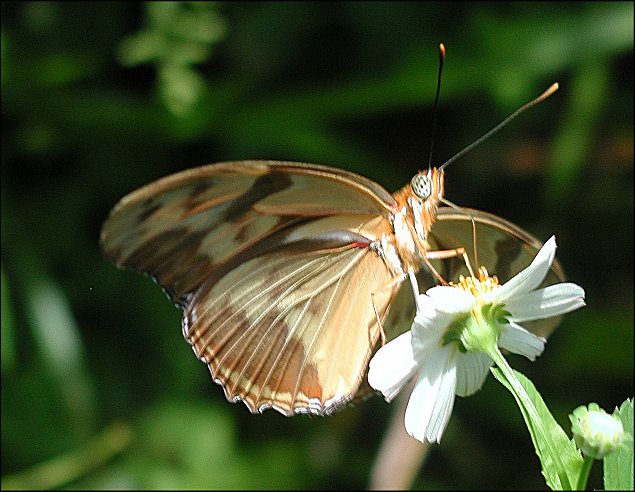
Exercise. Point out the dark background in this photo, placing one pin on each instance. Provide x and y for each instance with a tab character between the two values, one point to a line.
100	98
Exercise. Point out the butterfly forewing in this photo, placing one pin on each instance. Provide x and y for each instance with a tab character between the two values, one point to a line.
182	227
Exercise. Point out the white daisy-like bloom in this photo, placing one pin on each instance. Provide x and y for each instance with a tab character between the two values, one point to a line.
444	347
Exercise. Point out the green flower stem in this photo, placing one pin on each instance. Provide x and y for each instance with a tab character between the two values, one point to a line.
494	353
584	473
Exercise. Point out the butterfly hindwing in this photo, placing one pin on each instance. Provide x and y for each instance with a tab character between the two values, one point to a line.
293	329
502	247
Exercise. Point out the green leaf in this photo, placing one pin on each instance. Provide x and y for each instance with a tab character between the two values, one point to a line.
618	466
558	454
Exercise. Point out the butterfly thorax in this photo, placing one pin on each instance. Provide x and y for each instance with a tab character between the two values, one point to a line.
415	212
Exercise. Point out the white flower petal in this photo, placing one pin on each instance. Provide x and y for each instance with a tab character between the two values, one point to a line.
532	276
427	334
516	339
392	366
424	342
425	306
472	369
450	299
544	303
426	316
430	404
428	329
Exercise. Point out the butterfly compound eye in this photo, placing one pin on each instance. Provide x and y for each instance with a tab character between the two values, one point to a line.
421	186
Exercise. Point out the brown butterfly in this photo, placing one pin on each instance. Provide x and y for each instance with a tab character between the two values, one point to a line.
289	273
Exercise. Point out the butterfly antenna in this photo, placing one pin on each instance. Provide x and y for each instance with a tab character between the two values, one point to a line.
541	97
436	102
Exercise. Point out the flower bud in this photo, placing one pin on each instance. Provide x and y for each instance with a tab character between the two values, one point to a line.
596	432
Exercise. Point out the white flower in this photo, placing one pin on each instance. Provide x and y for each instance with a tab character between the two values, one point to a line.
452	326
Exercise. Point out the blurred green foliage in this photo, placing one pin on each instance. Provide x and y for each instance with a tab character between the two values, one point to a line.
100	98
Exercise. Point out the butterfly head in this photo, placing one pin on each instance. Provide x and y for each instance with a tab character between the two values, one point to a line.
427	187
417	204
421	185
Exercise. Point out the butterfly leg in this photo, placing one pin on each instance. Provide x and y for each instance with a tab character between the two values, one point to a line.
445	254
397	280
474	240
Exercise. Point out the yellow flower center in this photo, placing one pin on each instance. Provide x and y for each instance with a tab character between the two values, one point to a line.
477	286
479	328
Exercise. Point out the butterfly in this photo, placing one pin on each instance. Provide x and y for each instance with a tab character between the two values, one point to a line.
289	274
